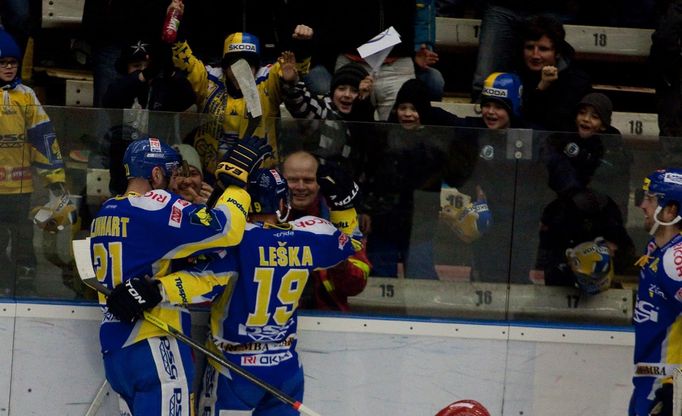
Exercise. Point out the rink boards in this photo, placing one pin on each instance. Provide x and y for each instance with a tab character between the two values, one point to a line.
354	366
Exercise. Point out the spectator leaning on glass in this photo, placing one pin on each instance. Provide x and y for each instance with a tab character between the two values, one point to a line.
328	289
29	142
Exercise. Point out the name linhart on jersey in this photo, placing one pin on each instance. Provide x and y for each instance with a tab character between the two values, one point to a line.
109	225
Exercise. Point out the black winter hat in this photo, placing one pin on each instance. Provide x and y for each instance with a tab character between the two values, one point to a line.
349	74
602	105
415	92
134	52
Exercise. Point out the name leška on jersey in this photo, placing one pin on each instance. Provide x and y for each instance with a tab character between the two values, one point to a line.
255	323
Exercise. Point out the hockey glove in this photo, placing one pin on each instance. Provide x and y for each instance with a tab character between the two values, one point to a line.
58	212
337	186
130	299
663	403
245	157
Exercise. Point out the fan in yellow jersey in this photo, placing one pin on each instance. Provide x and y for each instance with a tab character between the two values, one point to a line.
221	98
27	142
136	236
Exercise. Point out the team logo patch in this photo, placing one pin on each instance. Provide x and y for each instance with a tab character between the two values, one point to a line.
672	262
672	178
154	145
678	295
205	217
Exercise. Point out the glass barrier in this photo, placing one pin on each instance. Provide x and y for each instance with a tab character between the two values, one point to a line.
461	223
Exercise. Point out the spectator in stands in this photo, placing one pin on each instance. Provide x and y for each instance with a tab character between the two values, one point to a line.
409	164
147	81
332	139
581	213
188	182
501	109
340	46
218	94
29	144
499	36
110	27
328	289
553	84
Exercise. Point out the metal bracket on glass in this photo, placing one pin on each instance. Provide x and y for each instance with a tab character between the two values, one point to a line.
520	144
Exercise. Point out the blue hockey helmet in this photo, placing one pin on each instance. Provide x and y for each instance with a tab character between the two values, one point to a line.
8	46
267	188
666	186
505	88
241	45
143	155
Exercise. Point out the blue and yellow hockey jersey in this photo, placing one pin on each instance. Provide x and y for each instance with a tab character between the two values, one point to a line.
253	323
139	235
27	139
658	322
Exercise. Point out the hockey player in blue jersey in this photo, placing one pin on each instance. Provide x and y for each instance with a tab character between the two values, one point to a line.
253	323
134	237
658	309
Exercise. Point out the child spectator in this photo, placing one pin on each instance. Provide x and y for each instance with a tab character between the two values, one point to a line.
29	142
581	213
409	165
332	139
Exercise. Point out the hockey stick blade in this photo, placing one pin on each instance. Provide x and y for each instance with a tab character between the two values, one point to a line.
247	84
242	73
81	254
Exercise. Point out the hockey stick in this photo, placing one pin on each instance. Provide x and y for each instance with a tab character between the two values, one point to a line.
99	398
254	112
81	254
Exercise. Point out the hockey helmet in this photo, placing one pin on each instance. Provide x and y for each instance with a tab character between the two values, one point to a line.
464	408
241	45
592	265
267	188
8	46
666	186
505	88
143	155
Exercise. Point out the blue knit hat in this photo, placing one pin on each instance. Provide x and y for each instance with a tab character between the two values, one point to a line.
8	47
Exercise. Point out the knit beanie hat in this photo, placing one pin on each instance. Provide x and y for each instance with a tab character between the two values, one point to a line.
416	93
349	74
8	47
602	105
190	155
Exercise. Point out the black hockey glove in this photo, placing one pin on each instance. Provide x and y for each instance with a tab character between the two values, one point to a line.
245	157
663	403
131	298
337	186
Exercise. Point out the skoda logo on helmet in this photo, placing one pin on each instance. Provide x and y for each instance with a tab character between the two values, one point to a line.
241	47
495	92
